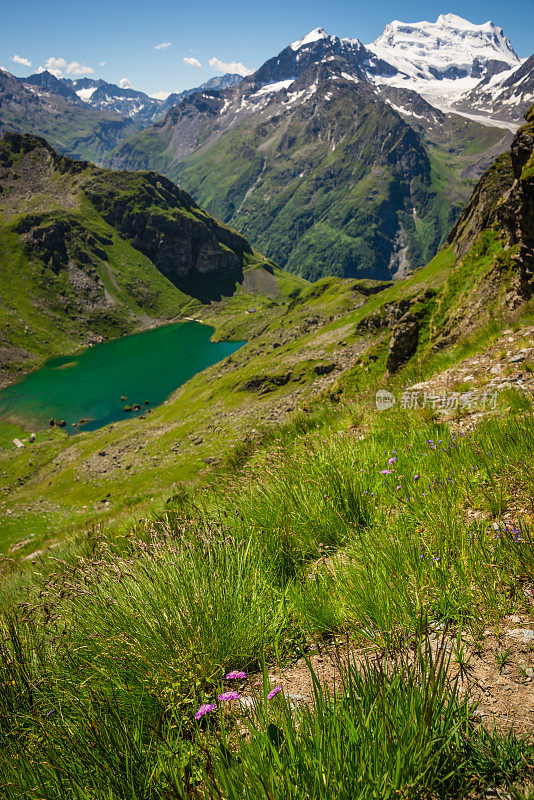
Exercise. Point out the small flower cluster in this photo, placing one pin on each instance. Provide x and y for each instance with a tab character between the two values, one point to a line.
514	531
226	697
205	708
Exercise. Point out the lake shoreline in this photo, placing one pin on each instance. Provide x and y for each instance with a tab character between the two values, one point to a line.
112	380
148	323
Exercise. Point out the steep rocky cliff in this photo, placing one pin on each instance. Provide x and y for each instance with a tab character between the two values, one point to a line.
503	203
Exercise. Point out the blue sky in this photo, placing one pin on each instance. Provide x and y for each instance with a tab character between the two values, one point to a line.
117	38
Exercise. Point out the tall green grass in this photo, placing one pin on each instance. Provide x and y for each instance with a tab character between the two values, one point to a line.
389	729
320	533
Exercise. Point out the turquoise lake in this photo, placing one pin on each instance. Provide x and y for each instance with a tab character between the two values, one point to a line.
146	366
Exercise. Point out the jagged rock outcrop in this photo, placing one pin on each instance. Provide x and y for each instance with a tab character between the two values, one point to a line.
504	201
403	342
198	254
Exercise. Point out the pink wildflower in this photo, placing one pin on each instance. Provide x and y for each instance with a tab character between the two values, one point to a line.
229	696
205	708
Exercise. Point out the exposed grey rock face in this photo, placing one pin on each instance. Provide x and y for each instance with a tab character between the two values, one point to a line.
504	99
403	344
504	197
198	254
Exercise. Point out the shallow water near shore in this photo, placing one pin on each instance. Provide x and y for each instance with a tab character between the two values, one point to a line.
146	366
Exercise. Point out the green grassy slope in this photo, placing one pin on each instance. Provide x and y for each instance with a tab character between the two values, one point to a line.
328	324
335	203
380	552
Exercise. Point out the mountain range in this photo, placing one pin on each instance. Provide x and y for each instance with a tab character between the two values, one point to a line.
85	118
334	157
341	158
120	100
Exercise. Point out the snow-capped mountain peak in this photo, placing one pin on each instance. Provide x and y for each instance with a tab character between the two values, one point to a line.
441	60
312	36
459	23
451	47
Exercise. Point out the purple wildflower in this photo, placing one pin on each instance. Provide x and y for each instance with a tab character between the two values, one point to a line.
385	472
229	696
205	708
399	488
392	461
273	692
416	477
236	675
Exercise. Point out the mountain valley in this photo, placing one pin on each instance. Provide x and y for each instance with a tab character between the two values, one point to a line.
287	156
270	154
330	340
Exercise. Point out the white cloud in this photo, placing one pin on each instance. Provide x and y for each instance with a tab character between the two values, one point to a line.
55	63
4	69
21	60
162	45
159	95
124	83
101	63
58	66
193	62
75	68
235	67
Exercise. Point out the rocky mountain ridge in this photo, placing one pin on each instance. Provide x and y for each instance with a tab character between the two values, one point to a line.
83	118
76	130
502	96
504	200
126	102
